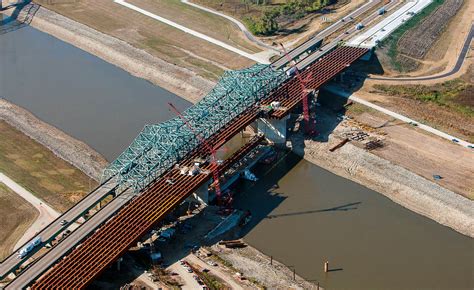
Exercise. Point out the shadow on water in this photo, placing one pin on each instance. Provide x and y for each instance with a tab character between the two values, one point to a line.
345	207
21	16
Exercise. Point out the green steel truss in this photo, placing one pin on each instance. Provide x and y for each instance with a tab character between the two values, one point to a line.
159	146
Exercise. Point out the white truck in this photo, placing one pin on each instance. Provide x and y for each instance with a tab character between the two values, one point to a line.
30	246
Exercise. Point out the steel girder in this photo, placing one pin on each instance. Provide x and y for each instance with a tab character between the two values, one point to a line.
159	146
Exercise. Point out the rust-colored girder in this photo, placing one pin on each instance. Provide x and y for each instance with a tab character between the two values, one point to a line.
104	246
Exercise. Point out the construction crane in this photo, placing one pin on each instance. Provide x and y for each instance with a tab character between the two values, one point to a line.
212	151
309	129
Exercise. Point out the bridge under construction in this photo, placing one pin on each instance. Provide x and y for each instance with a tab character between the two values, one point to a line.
144	168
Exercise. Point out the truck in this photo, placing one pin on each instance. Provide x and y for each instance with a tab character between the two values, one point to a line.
381	11
30	246
359	26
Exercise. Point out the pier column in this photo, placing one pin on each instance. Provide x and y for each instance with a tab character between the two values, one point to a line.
202	193
273	129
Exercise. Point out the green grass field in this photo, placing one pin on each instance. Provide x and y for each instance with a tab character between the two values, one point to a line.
454	95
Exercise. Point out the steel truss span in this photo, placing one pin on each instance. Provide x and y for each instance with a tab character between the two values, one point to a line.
111	240
158	147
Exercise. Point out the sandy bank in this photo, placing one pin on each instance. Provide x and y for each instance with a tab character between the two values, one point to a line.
62	145
253	263
137	62
395	182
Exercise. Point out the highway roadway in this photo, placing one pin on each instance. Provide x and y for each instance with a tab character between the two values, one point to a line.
307	45
115	237
12	262
41	265
349	33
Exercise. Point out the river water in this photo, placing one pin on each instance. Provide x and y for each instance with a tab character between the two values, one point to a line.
303	215
79	93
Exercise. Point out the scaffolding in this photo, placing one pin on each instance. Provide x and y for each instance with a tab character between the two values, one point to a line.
158	147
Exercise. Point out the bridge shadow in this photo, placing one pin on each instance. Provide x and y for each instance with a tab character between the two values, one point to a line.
345	207
21	16
359	72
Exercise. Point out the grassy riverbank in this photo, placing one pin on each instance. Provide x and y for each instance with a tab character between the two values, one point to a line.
37	169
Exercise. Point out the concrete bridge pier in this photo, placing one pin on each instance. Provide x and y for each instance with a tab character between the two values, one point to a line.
274	130
202	193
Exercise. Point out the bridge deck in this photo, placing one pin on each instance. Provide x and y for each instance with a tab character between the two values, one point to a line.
319	73
108	243
132	222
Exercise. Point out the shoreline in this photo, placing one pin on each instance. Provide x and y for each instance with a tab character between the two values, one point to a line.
400	185
420	196
71	150
417	197
180	81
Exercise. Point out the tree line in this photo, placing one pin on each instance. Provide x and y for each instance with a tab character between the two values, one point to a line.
268	22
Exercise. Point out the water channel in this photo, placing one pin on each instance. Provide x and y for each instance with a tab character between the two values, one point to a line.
303	215
79	93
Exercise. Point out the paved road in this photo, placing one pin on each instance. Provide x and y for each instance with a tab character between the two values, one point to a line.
454	70
60	250
323	34
343	36
424	127
46	213
53	229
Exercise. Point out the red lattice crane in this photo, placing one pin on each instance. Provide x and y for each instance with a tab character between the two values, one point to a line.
309	128
212	151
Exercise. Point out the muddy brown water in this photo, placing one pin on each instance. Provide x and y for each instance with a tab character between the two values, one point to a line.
303	215
84	96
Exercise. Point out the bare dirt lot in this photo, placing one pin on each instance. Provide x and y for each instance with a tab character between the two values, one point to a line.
17	216
156	38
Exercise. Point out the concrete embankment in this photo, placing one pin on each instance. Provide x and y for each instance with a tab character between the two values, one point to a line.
62	145
137	62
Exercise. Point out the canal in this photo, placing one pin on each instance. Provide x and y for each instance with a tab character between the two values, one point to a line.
303	215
